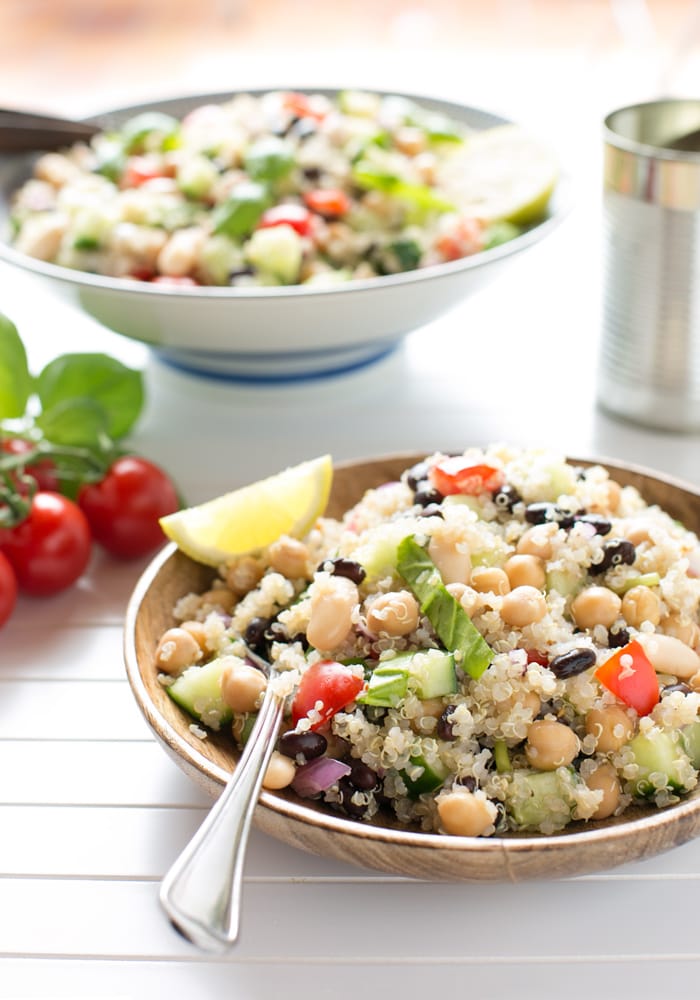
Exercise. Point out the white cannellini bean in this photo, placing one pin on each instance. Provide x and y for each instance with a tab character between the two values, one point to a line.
669	655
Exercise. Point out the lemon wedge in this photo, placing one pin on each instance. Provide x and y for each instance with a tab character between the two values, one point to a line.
249	518
504	174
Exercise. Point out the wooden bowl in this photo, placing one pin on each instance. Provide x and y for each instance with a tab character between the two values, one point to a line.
383	845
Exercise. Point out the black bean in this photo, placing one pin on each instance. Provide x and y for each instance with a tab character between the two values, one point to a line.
308	744
445	729
684	688
347	791
312	173
426	494
432	510
241	272
362	777
506	497
616	552
467	781
601	524
573	662
544	512
344	567
418	473
617	636
302	128
254	634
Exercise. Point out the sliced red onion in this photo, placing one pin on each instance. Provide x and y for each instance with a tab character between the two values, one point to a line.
318	776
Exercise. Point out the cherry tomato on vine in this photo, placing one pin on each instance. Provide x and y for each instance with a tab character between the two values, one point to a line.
50	548
124	508
42	471
8	589
327	682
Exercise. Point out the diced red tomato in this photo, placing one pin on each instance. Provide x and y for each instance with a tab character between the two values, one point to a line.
296	216
466	238
327	686
328	202
628	673
140	169
181	281
141	274
459	475
301	107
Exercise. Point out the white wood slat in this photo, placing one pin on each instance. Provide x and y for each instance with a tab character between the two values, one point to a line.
335	978
85	710
283	924
71	653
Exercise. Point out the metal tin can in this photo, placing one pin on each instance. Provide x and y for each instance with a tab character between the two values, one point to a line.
649	363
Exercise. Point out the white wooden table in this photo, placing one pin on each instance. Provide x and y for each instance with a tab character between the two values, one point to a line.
92	812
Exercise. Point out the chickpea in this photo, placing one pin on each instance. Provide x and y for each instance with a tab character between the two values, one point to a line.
611	494
523	606
280	772
529	700
669	655
605	780
333	601
451	557
176	650
683	629
641	604
242	686
536	541
550	745
470	599
637	532
198	633
180	254
289	557
243	575
466	814
611	726
525	570
490	580
596	606
396	613
219	597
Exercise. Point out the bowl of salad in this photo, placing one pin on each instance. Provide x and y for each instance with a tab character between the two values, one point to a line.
490	662
278	234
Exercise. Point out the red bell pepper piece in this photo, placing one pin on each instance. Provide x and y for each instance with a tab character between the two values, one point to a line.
327	686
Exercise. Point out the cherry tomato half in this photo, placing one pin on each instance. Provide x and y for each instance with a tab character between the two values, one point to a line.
43	471
296	216
460	475
50	548
327	682
8	589
124	508
329	202
141	169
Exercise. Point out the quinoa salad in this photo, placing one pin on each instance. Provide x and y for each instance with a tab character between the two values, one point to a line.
499	641
283	188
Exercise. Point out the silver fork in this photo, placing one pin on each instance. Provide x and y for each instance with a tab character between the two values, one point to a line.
201	893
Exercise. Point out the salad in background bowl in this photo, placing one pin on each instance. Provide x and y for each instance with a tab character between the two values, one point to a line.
280	233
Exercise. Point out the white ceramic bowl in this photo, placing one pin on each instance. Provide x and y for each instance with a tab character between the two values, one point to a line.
273	333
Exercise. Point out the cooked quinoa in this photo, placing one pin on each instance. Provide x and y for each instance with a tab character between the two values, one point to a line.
275	189
500	641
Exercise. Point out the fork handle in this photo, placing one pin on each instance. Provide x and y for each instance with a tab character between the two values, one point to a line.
201	893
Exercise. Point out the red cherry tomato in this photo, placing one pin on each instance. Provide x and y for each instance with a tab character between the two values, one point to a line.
459	475
8	589
140	169
329	202
50	548
300	106
124	508
629	674
296	216
327	686
43	471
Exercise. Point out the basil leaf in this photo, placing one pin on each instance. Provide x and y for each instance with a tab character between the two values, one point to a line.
118	390
79	422
15	379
